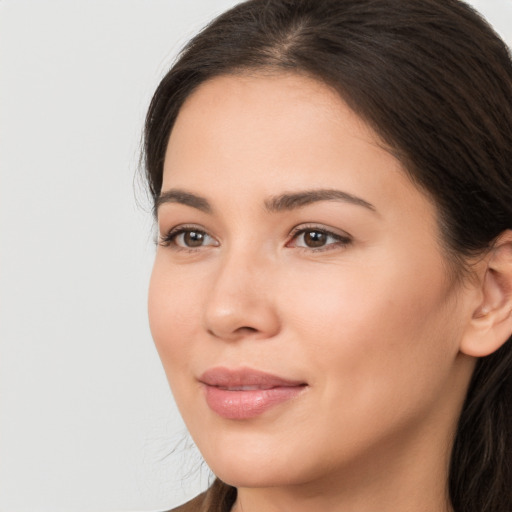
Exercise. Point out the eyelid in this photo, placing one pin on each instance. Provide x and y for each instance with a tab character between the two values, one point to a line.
342	238
168	238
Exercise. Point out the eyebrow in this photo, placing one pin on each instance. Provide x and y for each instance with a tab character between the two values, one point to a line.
294	200
282	202
182	197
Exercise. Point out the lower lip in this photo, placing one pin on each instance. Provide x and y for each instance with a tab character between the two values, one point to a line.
241	405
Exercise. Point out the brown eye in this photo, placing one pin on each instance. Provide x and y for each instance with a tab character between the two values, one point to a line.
315	238
193	238
187	238
318	239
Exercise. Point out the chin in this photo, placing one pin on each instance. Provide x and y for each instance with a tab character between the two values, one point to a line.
253	463
261	465
255	475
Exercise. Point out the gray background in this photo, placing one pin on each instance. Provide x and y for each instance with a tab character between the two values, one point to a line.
86	420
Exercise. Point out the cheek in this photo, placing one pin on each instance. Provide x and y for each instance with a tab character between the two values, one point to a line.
173	317
386	330
376	352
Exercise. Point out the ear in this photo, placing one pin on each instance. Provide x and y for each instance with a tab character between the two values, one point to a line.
491	323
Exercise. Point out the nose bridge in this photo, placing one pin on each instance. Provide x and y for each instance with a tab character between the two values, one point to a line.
241	299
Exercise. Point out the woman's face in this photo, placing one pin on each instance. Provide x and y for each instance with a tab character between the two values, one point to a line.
300	300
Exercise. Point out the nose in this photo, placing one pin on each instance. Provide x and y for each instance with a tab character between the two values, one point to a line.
242	300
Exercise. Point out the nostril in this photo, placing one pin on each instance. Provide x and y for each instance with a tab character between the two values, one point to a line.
241	331
232	317
246	330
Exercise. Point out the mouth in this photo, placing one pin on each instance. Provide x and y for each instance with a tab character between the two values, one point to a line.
246	393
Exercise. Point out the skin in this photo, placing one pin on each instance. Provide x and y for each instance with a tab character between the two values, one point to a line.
373	321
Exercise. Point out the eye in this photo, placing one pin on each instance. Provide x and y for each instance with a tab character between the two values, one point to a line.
187	238
318	239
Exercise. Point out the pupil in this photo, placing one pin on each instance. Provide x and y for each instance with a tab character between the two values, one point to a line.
315	238
193	238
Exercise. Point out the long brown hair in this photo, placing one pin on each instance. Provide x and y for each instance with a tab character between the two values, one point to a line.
435	82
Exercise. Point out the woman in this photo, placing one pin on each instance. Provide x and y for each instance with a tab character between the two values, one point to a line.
332	291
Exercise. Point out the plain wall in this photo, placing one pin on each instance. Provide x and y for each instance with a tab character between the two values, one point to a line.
86	419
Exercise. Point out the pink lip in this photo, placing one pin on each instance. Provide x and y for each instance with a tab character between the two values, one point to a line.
245	393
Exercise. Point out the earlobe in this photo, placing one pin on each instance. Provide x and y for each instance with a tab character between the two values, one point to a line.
491	323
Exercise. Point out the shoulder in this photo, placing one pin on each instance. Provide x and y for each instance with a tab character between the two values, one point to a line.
220	497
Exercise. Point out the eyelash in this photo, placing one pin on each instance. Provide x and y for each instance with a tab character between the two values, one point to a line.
340	240
169	239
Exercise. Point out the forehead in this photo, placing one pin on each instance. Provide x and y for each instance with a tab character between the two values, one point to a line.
281	99
266	123
276	132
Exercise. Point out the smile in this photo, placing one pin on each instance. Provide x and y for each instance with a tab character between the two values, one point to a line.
245	393
241	388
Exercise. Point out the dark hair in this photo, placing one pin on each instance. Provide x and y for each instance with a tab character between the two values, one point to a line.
435	82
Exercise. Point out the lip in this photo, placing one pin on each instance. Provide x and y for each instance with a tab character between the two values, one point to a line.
245	393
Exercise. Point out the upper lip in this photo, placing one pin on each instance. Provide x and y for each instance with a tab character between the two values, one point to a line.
245	378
